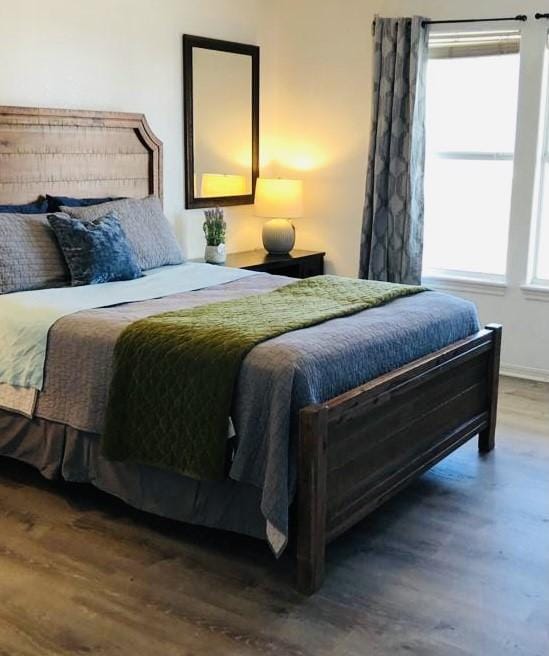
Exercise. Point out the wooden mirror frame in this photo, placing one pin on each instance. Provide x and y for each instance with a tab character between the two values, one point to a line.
190	42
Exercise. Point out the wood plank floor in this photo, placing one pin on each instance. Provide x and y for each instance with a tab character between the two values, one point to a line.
457	564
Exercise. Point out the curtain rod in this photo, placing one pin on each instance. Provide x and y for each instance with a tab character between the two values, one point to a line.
538	16
521	18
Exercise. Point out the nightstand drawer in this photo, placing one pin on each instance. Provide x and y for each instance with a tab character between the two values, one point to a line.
291	269
302	267
311	266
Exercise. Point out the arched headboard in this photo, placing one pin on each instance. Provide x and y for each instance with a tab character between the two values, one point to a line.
66	152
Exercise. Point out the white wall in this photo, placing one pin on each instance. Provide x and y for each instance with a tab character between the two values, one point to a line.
126	55
324	112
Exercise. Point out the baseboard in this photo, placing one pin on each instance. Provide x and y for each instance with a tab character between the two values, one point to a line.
530	373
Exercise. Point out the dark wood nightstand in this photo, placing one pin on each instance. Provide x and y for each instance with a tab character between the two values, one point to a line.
297	264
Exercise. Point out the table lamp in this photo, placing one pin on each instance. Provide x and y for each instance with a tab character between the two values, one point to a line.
280	200
217	184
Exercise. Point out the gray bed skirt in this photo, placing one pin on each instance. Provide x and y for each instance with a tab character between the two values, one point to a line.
59	451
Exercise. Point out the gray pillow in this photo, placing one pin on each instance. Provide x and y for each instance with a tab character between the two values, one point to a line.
145	225
30	257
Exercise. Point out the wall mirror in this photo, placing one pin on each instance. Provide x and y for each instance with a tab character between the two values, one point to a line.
221	86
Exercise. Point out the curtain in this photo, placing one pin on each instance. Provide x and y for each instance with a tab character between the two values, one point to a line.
392	227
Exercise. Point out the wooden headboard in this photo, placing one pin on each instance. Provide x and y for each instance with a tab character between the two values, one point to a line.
65	152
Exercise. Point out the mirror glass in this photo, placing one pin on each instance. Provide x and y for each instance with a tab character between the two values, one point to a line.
222	130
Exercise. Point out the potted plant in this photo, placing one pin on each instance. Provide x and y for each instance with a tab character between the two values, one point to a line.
215	229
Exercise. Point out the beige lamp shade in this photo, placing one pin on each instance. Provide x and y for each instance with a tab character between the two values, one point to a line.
218	184
279	198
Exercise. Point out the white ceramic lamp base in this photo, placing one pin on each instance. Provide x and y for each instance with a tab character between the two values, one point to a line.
278	236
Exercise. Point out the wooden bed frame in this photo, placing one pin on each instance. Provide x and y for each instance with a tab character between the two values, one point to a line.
356	450
359	449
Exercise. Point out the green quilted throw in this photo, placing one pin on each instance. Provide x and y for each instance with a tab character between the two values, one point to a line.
175	373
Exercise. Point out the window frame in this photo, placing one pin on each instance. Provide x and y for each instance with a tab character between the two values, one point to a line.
467	281
532	125
535	285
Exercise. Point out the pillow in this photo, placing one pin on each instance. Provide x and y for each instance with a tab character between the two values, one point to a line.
55	202
145	225
39	206
96	251
29	254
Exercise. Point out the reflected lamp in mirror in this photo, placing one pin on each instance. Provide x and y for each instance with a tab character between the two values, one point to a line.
279	200
217	184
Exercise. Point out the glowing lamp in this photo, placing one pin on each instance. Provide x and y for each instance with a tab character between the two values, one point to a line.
280	200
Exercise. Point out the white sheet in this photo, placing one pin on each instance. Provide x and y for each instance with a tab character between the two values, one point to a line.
26	317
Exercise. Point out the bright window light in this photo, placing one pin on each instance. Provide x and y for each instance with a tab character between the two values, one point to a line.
471	117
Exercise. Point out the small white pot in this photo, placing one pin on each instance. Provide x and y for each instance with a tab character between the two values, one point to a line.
215	254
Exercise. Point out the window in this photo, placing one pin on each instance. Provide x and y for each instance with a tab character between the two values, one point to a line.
541	242
472	88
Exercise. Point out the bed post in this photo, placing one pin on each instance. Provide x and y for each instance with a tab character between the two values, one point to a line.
311	524
487	437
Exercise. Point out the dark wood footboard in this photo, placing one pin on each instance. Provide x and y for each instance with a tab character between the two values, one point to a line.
360	448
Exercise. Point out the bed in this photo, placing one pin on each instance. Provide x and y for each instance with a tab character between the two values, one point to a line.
322	439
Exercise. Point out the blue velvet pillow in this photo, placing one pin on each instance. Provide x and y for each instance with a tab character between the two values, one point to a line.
95	251
55	202
39	206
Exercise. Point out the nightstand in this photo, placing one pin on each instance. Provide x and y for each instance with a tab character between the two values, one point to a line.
297	264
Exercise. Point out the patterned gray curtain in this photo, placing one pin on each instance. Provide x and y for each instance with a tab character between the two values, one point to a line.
392	226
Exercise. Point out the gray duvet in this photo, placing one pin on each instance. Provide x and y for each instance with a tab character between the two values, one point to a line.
277	378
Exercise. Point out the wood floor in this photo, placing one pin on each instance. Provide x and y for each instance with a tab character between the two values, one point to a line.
457	564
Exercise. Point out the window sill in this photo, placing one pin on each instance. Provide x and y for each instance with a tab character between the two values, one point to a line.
534	292
466	285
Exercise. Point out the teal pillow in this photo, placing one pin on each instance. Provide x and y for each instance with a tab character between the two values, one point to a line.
96	251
